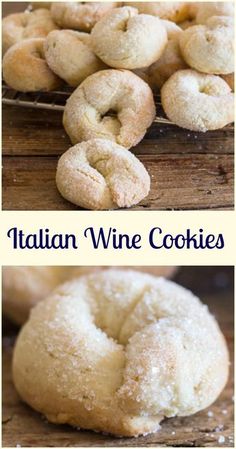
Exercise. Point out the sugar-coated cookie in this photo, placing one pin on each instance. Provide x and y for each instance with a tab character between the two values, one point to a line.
117	351
100	174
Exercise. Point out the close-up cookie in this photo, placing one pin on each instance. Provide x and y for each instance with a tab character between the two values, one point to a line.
125	39
209	48
25	25
110	104
100	174
25	68
69	54
197	101
80	16
119	351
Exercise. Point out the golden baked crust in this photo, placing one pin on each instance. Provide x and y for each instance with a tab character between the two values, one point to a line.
197	101
117	351
124	39
25	68
69	55
26	25
80	15
100	174
87	112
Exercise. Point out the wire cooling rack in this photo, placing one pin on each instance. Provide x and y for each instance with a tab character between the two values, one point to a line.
55	100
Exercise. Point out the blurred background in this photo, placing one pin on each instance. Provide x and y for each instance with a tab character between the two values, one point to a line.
206	279
11	7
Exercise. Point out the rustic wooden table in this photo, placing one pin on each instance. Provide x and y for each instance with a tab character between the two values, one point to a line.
188	170
210	428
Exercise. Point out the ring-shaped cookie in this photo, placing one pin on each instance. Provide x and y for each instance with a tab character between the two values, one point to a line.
117	351
25	68
70	56
209	48
198	102
110	104
124	39
99	174
26	25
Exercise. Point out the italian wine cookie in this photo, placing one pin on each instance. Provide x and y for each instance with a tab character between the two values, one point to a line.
206	10
100	174
209	48
25	25
110	104
25	68
80	15
70	56
197	101
118	351
174	11
124	39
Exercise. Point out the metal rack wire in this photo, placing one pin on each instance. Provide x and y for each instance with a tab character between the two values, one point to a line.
55	100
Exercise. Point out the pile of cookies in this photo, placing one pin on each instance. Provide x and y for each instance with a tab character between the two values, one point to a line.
114	56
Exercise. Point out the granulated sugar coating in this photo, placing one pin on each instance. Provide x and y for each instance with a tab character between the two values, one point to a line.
117	351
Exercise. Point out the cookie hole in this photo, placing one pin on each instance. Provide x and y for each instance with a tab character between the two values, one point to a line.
123	26
208	38
109	113
38	54
205	90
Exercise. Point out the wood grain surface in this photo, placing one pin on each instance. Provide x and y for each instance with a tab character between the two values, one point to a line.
188	170
212	427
